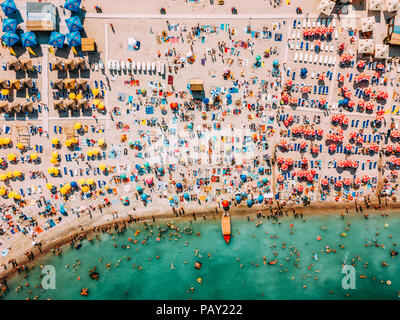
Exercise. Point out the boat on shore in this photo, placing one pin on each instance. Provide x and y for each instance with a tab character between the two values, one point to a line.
226	227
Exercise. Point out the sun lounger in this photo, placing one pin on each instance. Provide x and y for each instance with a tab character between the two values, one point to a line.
296	55
301	57
311	58
301	45
321	57
325	60
330	60
305	57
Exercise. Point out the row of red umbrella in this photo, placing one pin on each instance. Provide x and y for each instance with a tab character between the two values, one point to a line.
309	32
340	119
395	161
300	131
362	77
395	134
347	164
347	181
389	149
382	95
345	57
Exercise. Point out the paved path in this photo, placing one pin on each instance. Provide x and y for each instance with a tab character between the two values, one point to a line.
45	88
275	16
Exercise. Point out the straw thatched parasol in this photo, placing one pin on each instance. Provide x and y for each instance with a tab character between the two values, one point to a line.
83	103
70	84
375	5
27	65
14	65
28	106
59	105
27	82
16	107
59	65
59	84
393	5
16	84
70	64
366	46
367	24
81	84
81	63
381	51
4	84
69	103
326	7
4	107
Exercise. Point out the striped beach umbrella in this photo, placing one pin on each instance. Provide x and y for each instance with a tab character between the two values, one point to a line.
214	93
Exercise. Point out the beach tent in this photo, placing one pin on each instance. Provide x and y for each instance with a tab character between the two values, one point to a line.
8	7
74	24
74	39
10	38
375	5
366	46
367	24
326	7
9	25
381	51
393	5
28	39
57	39
72	5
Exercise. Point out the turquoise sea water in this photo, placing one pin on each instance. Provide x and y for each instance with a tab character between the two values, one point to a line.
222	275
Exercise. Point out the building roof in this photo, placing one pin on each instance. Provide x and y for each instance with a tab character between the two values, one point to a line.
196	85
41	16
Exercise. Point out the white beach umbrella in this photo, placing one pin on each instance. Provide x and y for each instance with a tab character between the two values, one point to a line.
366	46
367	24
375	5
326	7
392	5
381	51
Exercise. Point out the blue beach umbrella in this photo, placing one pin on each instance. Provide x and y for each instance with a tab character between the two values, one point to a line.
275	62
10	38
303	72
74	24
229	96
28	39
179	185
57	39
9	25
160	170
265	180
72	5
144	196
238	198
206	101
139	189
73	184
186	196
74	39
214	93
243	177
261	170
260	198
8	7
249	203
259	184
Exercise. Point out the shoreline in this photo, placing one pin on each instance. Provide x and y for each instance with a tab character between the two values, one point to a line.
313	209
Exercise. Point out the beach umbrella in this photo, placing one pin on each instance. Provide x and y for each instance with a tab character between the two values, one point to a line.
8	7
238	198
265	180
3	177
275	63
74	39
261	170
10	38
249	203
55	155
85	189
72	5
179	185
81	181
260	198
77	125
243	177
34	156
139	189
365	179
214	93
53	161
102	167
3	191
186	196
206	101
225	203
149	180
9	25
55	141
74	24
144	196
57	39
258	57
303	72
11	157
20	146
90	181
28	39
96	93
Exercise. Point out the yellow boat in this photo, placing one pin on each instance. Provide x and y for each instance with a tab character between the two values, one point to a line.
226	227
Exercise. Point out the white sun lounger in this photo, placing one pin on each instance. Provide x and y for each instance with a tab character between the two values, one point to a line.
327	47
334	23
118	66
297	46
336	35
162	68
330	60
311	58
291	45
298	34
312	47
322	46
304	23
109	65
312	75
153	67
315	59
293	35
321	57
301	57
309	23
331	48
133	66
139	66
123	67
296	55
129	66
318	23
314	24
114	65
334	60
143	66
148	67
325	60
159	67
305	57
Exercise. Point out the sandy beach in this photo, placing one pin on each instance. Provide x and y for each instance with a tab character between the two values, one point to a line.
291	116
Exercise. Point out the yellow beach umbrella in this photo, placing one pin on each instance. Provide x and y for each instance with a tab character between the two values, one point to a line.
90	181
72	95
17	196
11	195
96	102
63	190
74	141
81	182
9	174
85	188
34	156
95	151
89	152
56	171
20	146
51	170
2	142
77	126
102	166
55	141
101	106
11	157
16	173
79	96
55	155
3	177
101	142
95	92
67	186
49	186
7	140
5	92
68	143
53	161
3	191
